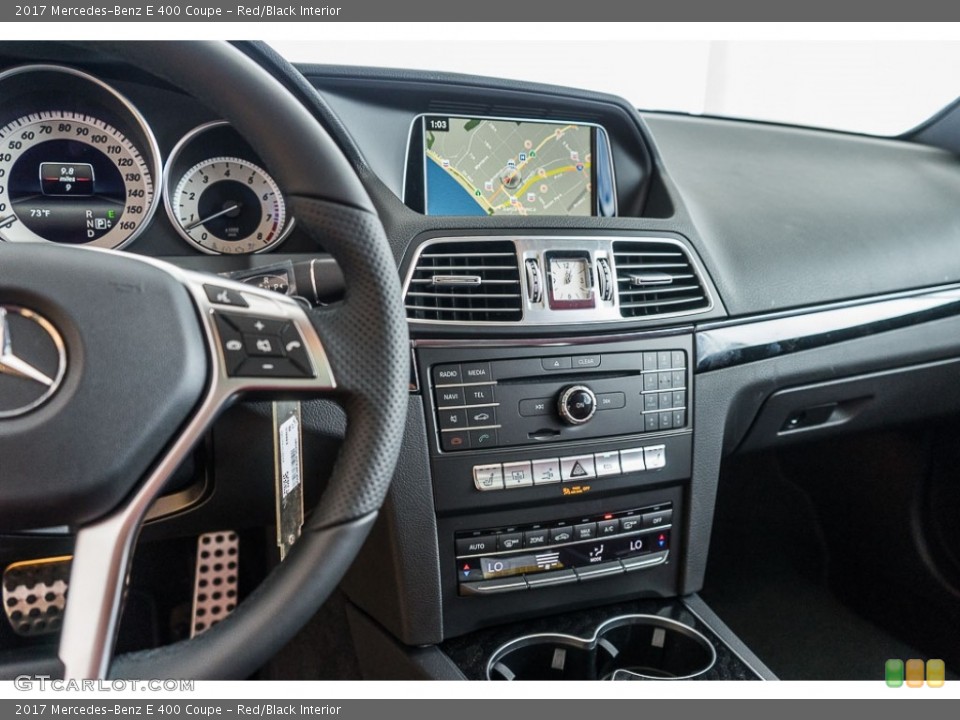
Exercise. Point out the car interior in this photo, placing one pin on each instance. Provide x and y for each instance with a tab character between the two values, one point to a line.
315	372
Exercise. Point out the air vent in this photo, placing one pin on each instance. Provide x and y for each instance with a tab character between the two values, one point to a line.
466	282
656	278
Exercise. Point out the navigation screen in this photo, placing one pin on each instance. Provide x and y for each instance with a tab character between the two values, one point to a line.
477	166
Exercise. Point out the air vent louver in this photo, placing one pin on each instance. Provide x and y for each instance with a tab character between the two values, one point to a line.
656	278
466	282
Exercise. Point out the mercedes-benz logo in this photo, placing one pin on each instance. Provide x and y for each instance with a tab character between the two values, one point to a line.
33	360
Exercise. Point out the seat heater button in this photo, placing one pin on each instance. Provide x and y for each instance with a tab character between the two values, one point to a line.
488	477
655	457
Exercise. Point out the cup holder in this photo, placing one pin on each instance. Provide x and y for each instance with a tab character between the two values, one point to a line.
630	647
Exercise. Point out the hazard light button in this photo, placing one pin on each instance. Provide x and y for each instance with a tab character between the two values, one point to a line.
578	467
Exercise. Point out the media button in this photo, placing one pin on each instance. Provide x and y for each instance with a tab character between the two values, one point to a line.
476	372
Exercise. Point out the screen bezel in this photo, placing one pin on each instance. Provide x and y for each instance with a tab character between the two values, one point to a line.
603	178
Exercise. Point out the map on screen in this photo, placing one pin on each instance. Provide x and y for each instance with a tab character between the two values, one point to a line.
478	166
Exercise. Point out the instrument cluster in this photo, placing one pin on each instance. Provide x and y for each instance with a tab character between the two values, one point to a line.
79	165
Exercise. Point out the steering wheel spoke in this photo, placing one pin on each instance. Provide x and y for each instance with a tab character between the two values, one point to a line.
257	342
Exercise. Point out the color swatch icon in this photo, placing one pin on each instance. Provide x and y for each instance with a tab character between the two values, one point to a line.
913	672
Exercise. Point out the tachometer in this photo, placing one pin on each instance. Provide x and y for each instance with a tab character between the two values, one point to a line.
228	205
69	177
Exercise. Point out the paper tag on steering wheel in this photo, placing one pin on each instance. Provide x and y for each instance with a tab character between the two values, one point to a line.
288	462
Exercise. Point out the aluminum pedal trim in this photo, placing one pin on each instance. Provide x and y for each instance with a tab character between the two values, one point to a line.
214	580
35	594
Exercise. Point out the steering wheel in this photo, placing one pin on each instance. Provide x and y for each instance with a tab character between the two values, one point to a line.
145	368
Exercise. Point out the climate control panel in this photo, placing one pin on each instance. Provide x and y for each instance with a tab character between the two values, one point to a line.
575	549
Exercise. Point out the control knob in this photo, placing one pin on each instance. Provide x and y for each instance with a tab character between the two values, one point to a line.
577	404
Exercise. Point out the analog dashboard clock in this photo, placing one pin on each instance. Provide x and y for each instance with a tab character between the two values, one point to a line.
570	280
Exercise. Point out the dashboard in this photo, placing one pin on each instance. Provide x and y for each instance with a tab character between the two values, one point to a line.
603	305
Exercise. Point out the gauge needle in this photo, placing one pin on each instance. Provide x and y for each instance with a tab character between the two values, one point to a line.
191	226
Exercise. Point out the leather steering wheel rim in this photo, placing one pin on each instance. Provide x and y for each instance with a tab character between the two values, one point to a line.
365	338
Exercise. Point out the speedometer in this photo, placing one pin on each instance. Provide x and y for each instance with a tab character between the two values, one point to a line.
71	178
79	164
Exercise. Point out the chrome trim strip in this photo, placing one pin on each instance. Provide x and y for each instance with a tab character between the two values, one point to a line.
103	549
541	548
652	334
57	339
723	346
534	314
717	635
153	148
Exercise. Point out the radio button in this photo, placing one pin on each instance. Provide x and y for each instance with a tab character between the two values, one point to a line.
611	401
480	439
655	457
535	407
452	419
535	538
447	375
578	467
476	372
479	395
556	363
477	545
631	461
510	541
605	528
546	471
481	416
607	463
449	397
561	535
517	474
488	477
586	531
586	361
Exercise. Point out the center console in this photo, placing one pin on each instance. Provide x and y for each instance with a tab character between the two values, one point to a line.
557	471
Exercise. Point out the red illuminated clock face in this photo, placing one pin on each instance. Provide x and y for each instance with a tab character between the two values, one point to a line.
571	283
